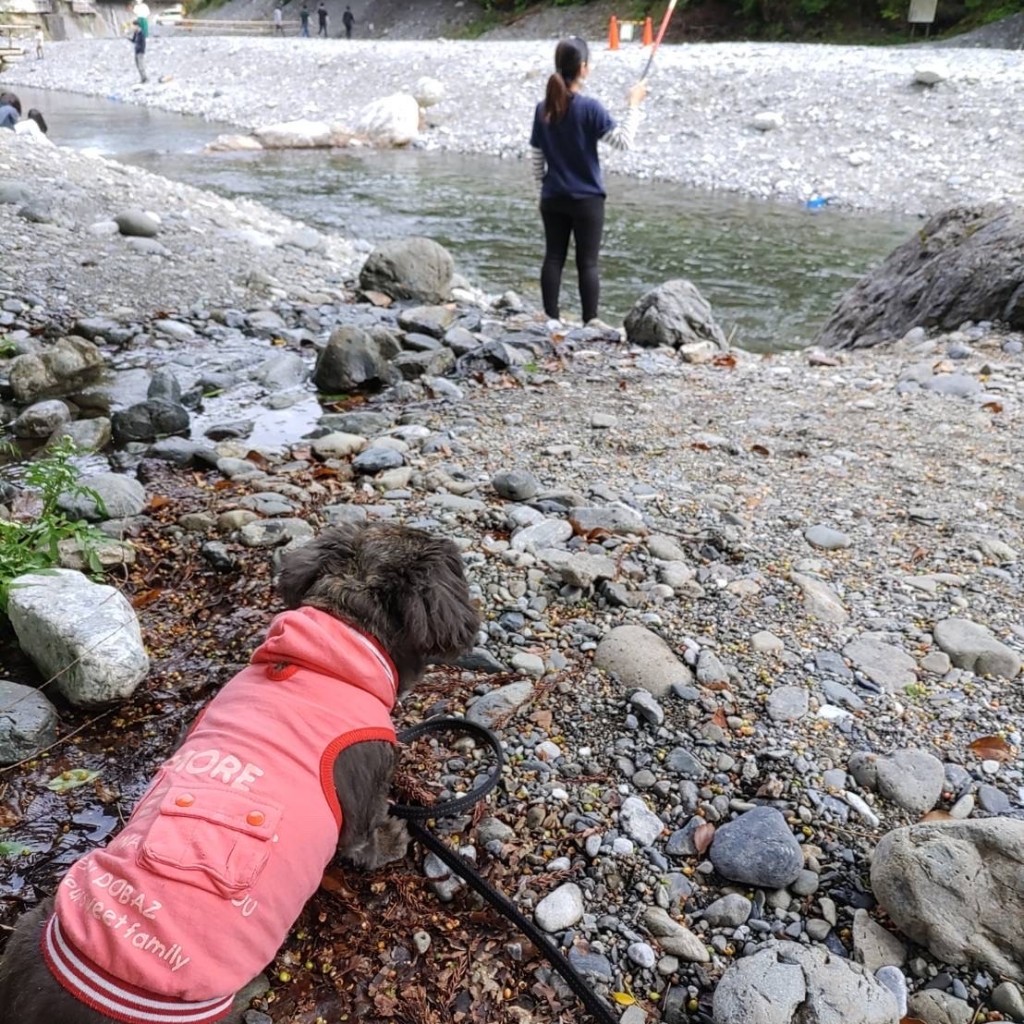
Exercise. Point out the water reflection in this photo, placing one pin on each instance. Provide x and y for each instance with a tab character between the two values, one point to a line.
771	271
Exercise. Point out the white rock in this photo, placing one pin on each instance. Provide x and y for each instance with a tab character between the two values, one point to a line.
391	121
560	909
300	134
767	120
429	91
82	634
929	74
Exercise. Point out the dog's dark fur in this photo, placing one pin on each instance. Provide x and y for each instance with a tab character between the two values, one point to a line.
402	586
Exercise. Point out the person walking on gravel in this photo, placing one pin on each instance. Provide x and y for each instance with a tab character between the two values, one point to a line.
278	21
138	40
321	17
304	21
567	127
348	19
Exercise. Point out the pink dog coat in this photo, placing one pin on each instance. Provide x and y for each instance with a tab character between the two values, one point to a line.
195	896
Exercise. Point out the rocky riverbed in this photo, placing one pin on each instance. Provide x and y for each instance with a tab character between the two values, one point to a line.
779	121
746	618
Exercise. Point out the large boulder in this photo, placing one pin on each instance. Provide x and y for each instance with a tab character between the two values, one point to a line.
81	634
954	886
409	268
58	370
674	314
788	982
148	420
351	361
966	263
300	134
391	121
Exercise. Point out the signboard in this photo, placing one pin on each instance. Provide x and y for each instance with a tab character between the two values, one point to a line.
922	12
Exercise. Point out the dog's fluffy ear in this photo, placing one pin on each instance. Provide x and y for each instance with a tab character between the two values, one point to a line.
404	586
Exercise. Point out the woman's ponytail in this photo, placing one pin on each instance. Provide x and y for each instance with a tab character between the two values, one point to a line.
570	56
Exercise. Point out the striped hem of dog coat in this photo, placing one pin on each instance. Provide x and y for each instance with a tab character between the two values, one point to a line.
116	999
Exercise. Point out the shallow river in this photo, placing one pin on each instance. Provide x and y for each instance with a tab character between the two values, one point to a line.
771	271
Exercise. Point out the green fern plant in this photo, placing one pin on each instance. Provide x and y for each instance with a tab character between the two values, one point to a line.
31	543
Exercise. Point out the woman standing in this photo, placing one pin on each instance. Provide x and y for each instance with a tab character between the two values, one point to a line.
566	129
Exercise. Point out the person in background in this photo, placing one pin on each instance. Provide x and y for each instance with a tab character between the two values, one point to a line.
10	110
567	127
39	43
138	40
278	23
321	17
304	20
33	123
348	19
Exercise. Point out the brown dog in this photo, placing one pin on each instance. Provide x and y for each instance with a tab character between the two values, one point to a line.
289	764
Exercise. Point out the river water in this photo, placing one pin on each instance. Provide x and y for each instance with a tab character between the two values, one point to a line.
771	272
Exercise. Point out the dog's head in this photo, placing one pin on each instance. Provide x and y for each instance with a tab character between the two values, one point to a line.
403	586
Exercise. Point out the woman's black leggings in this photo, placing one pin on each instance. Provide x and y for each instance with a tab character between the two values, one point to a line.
584	220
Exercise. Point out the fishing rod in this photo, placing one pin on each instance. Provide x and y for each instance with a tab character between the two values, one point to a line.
661	35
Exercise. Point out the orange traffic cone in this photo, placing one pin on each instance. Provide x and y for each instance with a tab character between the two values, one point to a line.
613	33
648	31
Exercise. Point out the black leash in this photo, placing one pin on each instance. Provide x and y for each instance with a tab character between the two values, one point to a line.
415	816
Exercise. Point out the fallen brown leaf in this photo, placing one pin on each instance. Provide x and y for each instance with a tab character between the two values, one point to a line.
702	836
991	748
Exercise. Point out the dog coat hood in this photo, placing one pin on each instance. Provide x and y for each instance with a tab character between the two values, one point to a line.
195	896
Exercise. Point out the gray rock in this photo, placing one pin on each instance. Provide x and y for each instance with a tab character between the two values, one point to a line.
338	445
892	978
788	703
137	223
617	519
410	268
683	762
89	435
820	600
83	634
41	419
883	663
377	459
578	569
757	848
873	946
639	822
973	647
175	329
541	536
433	321
62	368
914	779
673	937
826	538
953	886
149	420
28	722
119	496
269	533
351	361
496	705
433	363
515	484
674	314
282	372
164	385
640	658
936	1007
804	985
592	965
932	278
560	909
993	800
1008	1000
729	911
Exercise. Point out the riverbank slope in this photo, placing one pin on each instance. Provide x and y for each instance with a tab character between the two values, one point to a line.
849	123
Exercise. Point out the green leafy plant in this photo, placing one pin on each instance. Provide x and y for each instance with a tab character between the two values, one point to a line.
7	347
30	539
